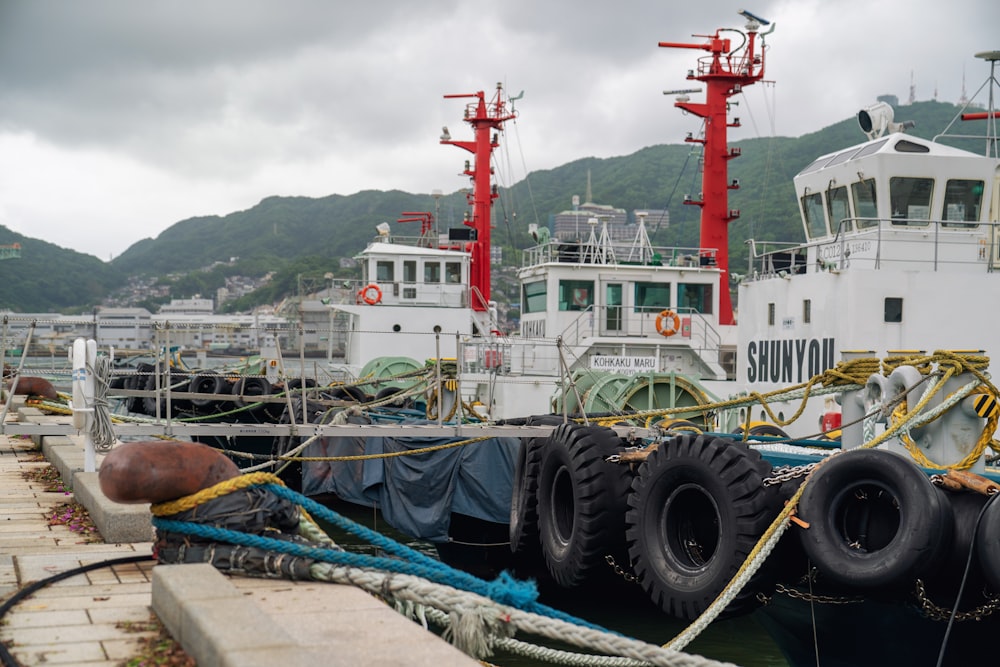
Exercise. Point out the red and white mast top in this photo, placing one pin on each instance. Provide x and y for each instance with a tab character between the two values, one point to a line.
726	71
483	116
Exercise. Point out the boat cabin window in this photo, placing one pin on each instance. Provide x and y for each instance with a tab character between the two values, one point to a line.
840	212
962	199
695	297
384	272
910	200
453	272
865	209
533	297
409	271
576	294
432	272
651	297
807	311
904	146
812	213
893	309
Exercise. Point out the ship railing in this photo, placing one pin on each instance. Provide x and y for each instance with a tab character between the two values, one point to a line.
399	292
696	329
541	356
628	253
880	243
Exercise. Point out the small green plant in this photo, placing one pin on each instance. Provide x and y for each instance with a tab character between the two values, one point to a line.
159	649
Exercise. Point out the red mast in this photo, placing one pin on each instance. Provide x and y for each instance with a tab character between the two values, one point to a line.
725	72
483	117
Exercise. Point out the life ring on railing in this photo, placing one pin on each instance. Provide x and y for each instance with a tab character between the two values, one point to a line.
697	508
367	295
581	502
667	323
875	520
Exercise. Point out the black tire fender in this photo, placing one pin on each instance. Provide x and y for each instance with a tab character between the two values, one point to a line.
581	502
697	509
875	520
524	537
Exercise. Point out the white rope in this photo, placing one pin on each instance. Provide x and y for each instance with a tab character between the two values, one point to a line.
729	593
480	617
101	431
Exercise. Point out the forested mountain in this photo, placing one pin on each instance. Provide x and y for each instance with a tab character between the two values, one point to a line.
295	235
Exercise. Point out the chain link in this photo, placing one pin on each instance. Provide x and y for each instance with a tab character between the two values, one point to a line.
936	613
810	597
787	473
620	571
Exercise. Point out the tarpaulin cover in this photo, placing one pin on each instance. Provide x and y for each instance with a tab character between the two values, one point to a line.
417	493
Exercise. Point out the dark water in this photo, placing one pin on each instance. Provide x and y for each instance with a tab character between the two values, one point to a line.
741	641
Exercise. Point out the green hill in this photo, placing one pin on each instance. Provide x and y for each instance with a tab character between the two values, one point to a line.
290	236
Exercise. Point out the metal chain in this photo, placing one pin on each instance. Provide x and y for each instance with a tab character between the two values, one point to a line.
783	474
936	613
810	597
620	571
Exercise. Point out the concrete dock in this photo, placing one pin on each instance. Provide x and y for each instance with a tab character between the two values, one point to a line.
99	617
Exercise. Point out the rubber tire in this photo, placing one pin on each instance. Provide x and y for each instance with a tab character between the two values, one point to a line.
524	536
206	382
246	388
895	541
707	490
581	502
988	544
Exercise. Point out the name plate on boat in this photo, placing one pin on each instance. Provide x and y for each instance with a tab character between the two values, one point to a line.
623	365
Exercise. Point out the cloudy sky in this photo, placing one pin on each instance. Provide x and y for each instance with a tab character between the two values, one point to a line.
119	118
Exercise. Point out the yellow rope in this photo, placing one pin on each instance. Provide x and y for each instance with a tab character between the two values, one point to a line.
223	488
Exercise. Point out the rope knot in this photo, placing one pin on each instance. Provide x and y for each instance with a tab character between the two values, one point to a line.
507	590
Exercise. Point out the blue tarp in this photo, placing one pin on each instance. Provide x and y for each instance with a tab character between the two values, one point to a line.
417	493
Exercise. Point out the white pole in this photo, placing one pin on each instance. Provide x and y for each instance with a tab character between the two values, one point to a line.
83	356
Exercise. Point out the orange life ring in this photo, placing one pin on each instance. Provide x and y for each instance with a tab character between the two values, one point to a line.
667	323
366	294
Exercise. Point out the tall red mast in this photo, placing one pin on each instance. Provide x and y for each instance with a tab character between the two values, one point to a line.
483	117
726	71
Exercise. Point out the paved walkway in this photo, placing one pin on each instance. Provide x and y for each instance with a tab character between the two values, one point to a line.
88	619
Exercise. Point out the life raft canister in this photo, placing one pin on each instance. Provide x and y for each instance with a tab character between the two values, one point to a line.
371	294
668	323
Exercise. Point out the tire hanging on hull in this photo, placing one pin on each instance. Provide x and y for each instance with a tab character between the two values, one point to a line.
875	520
581	502
523	528
698	507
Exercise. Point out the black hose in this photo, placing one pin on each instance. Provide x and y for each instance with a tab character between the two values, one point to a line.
5	656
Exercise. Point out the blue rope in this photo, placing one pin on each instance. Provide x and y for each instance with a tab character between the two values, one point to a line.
505	589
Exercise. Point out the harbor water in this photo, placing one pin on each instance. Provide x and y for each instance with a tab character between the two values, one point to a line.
741	641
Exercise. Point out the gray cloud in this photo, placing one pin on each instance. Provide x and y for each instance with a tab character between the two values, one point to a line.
161	110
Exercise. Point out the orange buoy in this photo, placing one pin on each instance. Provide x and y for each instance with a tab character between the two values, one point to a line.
160	470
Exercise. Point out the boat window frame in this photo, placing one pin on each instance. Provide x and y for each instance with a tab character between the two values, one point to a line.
839	223
809	203
969	220
575	295
389	274
906	192
535	301
432	273
409	271
861	206
655	304
696	297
